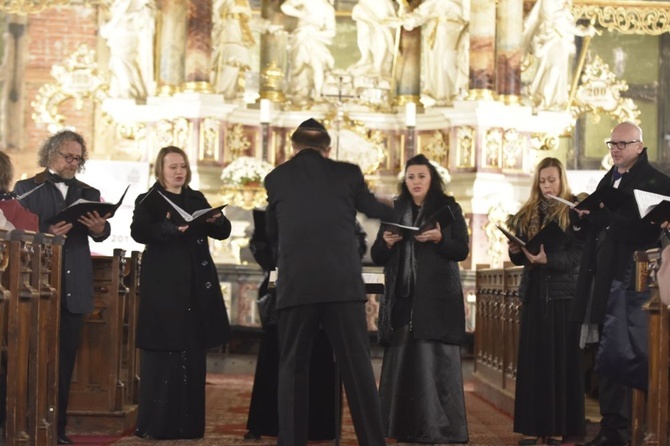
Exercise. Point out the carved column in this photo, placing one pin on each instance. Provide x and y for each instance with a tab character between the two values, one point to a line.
198	46
13	105
482	49
171	46
407	63
273	53
508	49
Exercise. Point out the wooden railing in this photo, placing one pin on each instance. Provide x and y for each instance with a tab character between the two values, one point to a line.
650	410
497	334
29	308
103	394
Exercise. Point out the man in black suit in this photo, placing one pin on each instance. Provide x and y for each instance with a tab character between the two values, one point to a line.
62	156
311	215
606	278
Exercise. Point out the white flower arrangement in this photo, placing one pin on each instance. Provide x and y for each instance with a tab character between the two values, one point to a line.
443	171
245	170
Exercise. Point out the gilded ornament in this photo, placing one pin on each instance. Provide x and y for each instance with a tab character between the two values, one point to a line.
466	147
492	147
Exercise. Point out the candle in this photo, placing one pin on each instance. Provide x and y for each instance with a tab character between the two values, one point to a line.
265	111
410	114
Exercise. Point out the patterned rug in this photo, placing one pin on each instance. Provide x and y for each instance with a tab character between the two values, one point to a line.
228	401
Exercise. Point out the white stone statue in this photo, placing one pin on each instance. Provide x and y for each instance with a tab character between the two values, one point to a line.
549	36
446	46
130	35
309	55
232	38
375	37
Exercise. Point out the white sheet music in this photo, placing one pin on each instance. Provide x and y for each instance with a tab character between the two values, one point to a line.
562	200
646	201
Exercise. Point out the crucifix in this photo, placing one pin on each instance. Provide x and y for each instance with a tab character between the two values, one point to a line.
339	109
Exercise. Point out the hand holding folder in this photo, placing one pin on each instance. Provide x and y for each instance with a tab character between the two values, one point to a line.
550	236
72	213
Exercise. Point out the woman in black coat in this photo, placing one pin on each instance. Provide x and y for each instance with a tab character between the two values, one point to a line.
181	309
422	313
549	399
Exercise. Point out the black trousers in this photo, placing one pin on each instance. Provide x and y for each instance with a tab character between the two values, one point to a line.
614	400
71	325
346	327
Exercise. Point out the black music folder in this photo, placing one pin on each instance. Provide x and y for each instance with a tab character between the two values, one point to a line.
551	235
80	207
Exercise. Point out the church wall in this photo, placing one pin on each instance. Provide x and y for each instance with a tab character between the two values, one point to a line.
53	35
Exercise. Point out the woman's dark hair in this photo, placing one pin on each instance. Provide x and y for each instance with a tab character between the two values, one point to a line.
436	189
6	172
51	146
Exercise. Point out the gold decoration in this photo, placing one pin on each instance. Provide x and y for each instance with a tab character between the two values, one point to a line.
173	133
77	79
210	131
492	147
497	241
639	17
273	77
25	7
600	92
437	147
512	148
354	142
236	141
466	147
543	141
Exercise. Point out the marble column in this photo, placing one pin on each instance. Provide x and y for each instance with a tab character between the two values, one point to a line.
407	63
482	49
273	53
171	46
509	40
197	64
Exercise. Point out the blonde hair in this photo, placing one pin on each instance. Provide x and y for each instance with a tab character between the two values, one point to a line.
560	212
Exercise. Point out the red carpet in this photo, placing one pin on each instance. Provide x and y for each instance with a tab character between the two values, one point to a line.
228	401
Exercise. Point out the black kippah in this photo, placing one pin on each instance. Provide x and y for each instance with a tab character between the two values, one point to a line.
312	124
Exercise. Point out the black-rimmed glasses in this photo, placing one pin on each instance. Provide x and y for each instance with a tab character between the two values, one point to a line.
621	145
70	158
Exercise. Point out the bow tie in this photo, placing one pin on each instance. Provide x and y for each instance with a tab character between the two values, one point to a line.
55	178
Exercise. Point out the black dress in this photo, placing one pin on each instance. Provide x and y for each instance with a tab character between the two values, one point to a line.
549	400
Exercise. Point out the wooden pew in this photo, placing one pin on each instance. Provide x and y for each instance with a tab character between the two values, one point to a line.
650	410
497	336
131	355
98	401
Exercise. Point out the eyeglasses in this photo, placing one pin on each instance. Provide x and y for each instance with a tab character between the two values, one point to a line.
621	145
70	158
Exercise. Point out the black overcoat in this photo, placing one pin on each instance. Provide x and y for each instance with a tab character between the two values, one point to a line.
438	311
611	238
311	214
180	295
47	201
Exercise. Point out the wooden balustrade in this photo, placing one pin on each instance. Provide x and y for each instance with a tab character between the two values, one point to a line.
104	383
497	334
650	410
104	390
29	305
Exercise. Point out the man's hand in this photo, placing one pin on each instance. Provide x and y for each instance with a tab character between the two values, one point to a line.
60	228
94	222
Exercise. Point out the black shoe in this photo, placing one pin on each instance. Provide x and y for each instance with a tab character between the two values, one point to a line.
603	440
251	435
527	441
64	439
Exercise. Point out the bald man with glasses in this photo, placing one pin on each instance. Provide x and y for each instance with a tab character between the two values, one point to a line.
607	279
63	155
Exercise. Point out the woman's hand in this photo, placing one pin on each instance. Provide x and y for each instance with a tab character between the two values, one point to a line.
513	247
432	235
213	218
539	259
179	228
391	238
